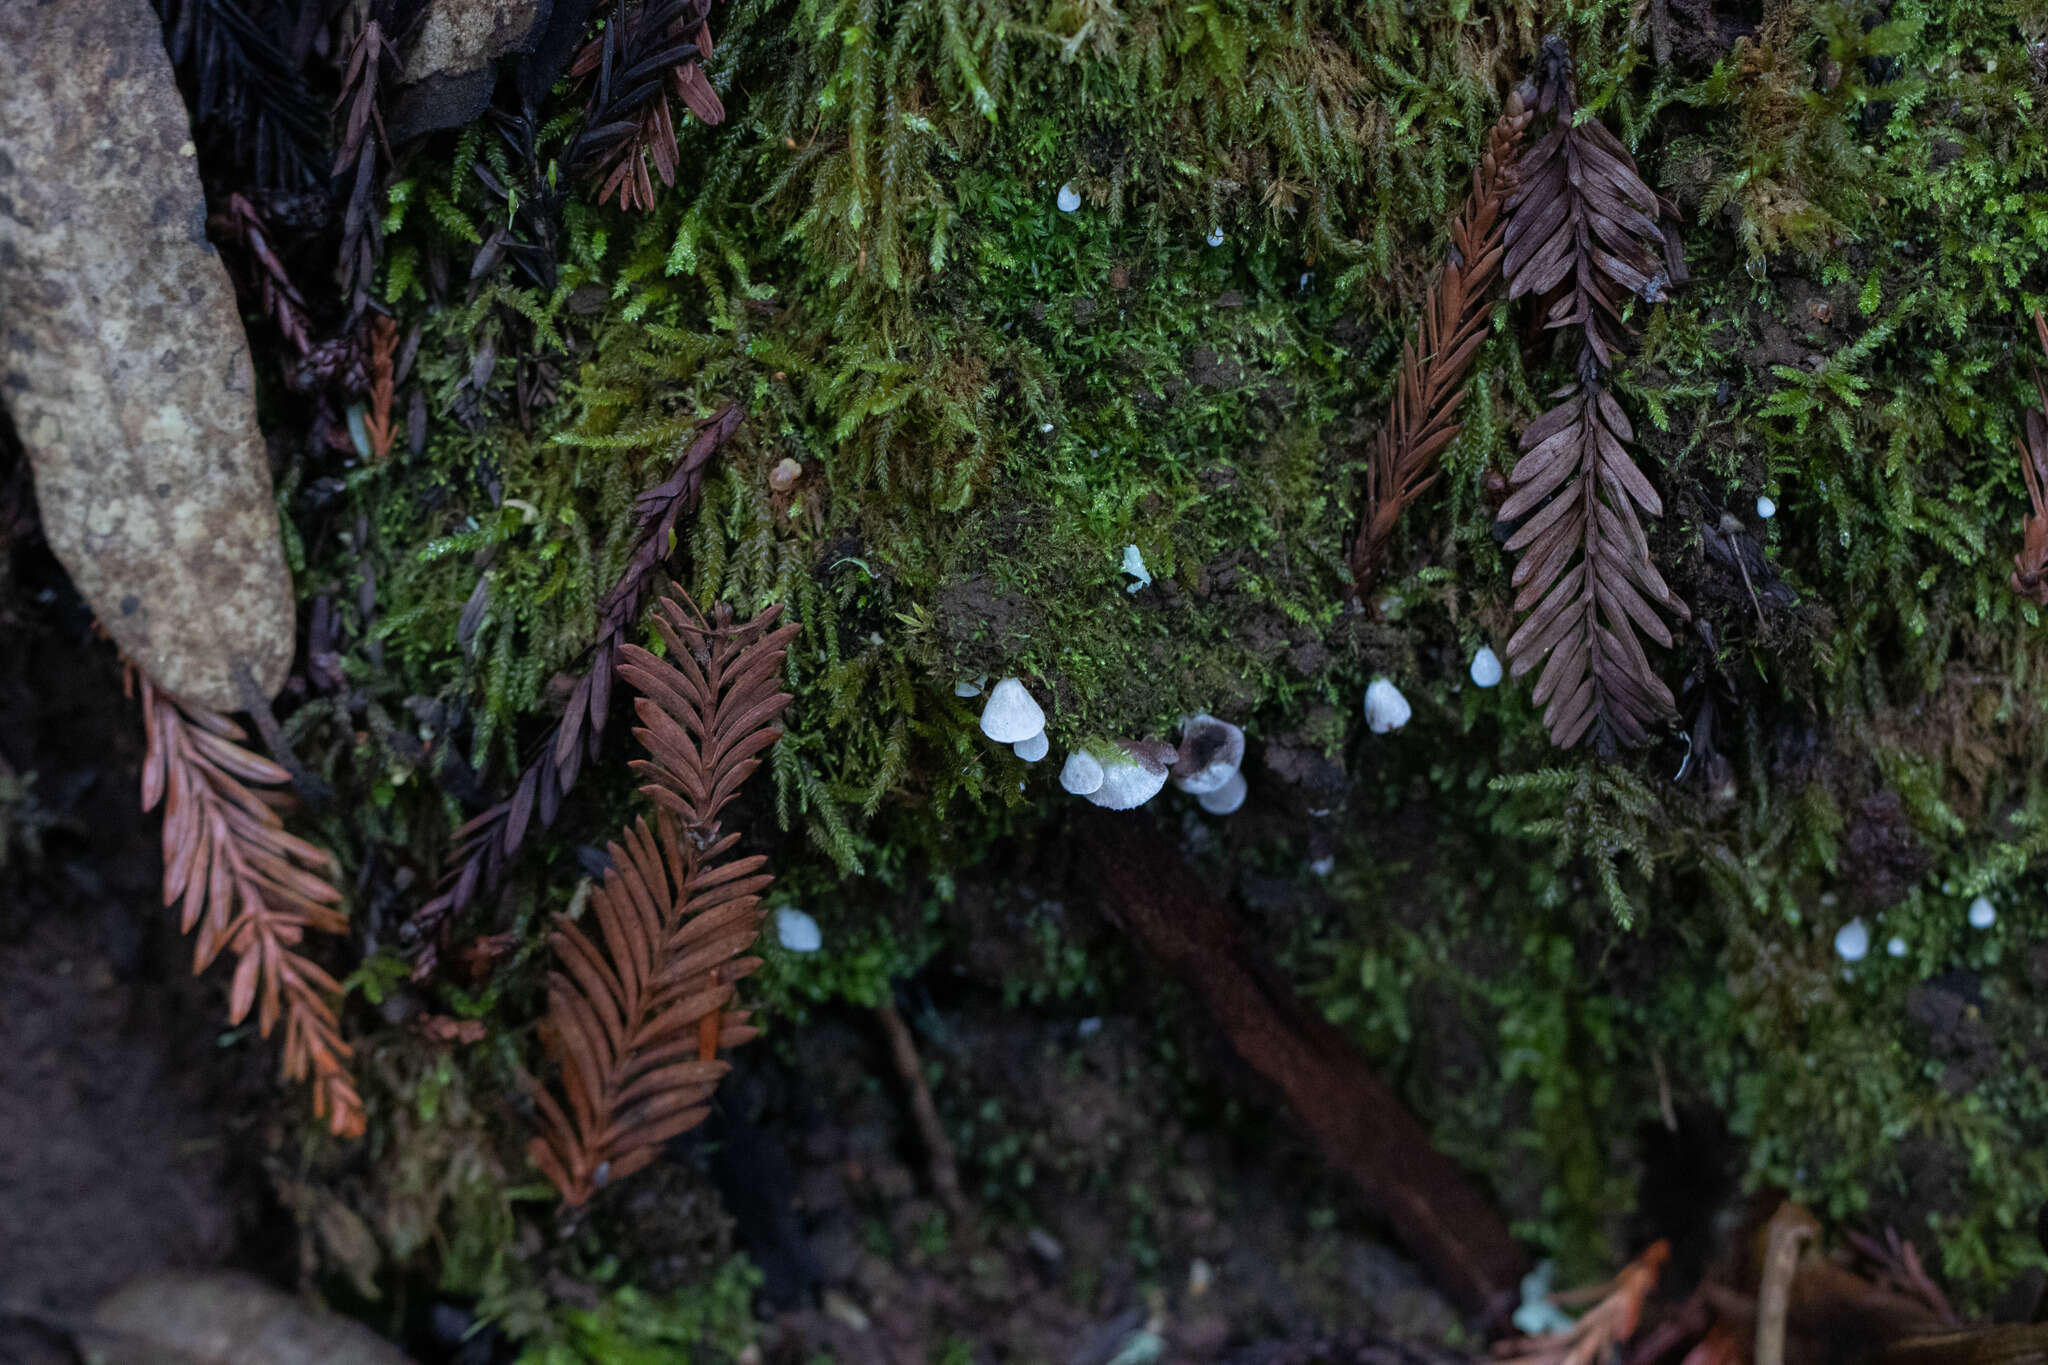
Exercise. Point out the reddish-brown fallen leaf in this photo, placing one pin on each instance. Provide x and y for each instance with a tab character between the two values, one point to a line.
245	886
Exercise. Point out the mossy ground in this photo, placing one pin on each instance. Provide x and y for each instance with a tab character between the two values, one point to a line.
990	398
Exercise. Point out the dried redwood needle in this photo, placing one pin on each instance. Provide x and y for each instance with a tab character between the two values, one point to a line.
245	885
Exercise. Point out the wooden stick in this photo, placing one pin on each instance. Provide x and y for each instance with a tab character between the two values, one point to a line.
938	1149
1362	1128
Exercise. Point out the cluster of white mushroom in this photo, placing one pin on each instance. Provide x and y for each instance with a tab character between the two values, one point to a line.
1852	940
1012	717
1126	774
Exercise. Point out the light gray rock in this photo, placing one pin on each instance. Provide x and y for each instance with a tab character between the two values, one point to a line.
122	355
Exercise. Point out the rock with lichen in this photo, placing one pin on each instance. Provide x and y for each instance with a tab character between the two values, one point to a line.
123	361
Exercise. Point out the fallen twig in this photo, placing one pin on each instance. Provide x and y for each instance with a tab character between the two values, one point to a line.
1361	1126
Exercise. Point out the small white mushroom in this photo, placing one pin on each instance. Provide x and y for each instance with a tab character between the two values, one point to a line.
1082	774
1226	798
1134	565
1896	946
966	689
1982	915
1385	708
1215	236
797	931
1486	670
1130	778
1765	508
1211	752
1070	198
1852	941
1032	749
1011	716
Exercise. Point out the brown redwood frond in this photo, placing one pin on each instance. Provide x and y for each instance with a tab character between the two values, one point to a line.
359	156
487	843
1434	367
640	61
2030	565
1583	233
245	885
383	351
1585	575
637	1015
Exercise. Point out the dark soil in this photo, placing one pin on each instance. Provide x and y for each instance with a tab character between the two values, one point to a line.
123	1120
134	1126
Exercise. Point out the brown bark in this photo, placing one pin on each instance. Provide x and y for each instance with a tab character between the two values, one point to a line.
1361	1126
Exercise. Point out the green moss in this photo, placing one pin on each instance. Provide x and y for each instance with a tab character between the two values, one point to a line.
704	1324
990	399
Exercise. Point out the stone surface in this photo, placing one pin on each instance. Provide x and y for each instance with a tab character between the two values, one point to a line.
462	35
122	356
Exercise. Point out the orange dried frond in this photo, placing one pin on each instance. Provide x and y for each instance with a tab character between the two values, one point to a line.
377	419
1423	417
639	1010
247	886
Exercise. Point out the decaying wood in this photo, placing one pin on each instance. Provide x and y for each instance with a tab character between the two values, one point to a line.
123	359
637	1016
245	885
1361	1126
1787	1234
1434	365
1583	234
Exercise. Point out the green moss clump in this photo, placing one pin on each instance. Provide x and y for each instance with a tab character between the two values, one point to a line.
989	398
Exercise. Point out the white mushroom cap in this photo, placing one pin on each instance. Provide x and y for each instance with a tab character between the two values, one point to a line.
1982	913
797	931
1385	708
1134	565
1011	716
1486	670
1852	941
1226	798
1032	749
1082	774
1129	780
1211	752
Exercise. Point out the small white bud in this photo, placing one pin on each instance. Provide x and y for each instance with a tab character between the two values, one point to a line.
1032	749
1896	946
797	931
1486	669
1215	236
1852	941
1070	198
1385	708
1982	915
1765	508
